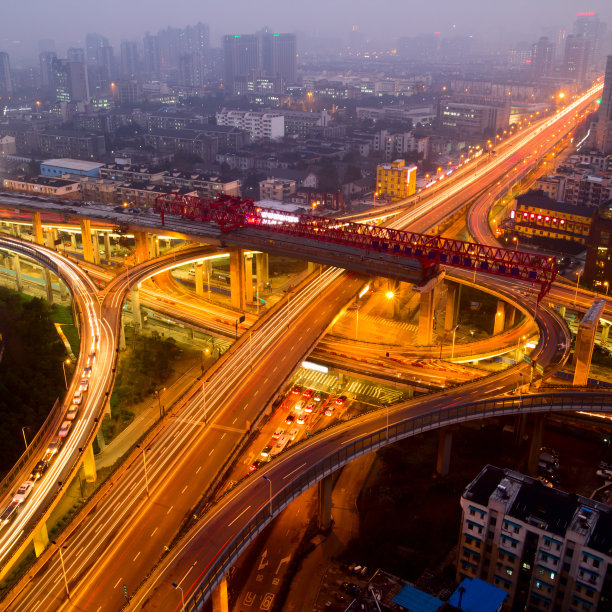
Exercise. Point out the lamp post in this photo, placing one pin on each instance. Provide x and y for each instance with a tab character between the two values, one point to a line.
63	566
607	286
176	586
270	485
204	383
386	406
64	364
158	395
453	348
579	273
357	324
144	462
24	436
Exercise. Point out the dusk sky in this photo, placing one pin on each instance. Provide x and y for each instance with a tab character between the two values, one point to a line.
67	21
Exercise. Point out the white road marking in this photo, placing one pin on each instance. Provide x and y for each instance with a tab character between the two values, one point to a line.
211	452
234	420
230	524
117	583
294	471
185	487
200	466
153	533
170	508
223	436
136	557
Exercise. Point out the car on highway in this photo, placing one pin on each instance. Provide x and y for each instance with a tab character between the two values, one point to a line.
290	418
309	407
77	398
265	451
307	393
255	465
293	433
341	400
278	433
64	429
23	491
9	512
317	397
39	469
86	372
84	386
54	447
329	411
298	406
301	419
72	412
296	390
91	358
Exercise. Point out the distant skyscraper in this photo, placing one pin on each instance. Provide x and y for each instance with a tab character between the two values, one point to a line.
604	124
590	27
576	58
542	58
241	53
70	81
152	56
278	56
106	65
129	59
75	55
6	81
46	69
94	42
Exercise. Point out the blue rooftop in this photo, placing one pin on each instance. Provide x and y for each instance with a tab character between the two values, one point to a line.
414	600
479	596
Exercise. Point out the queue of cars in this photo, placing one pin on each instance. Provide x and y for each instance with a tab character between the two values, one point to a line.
55	445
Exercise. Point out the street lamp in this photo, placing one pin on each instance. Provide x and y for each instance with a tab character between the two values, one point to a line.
24	436
386	406
270	484
607	286
64	364
454	333
144	462
579	274
204	383
176	586
158	396
63	566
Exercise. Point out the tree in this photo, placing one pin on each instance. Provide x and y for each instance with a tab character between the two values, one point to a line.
328	176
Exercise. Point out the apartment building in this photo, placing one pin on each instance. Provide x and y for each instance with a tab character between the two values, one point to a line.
549	550
206	186
276	189
395	181
260	125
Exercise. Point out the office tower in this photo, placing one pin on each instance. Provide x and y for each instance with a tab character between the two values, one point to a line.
93	42
278	56
542	58
75	55
70	81
106	65
129	59
187	76
241	54
603	133
576	58
46	60
152	56
6	81
589	26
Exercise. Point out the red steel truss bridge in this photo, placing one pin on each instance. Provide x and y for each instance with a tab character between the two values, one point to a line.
431	251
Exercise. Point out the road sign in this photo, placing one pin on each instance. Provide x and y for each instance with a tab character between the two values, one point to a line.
526	358
125	592
539	368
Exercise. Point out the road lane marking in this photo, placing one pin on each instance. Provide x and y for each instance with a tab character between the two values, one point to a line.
37	605
153	533
136	557
230	524
294	471
117	583
184	489
223	436
211	452
275	368
234	420
170	508
201	466
185	576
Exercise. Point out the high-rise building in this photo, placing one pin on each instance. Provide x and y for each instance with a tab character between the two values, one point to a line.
106	65
549	550
6	80
603	133
70	81
129	59
278	56
241	53
576	58
93	42
46	45
75	55
46	60
589	26
395	181
152	56
542	58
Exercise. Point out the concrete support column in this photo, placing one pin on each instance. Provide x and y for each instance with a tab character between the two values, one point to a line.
393	303
89	465
16	230
237	278
136	318
325	497
426	314
500	318
142	247
153	246
261	269
220	602
40	540
86	240
510	316
248	277
453	299
49	240
445	445
107	246
62	288
605	331
96	247
73	242
48	285
208	272
311	267
17	268
100	439
122	345
562	311
199	278
535	443
37	228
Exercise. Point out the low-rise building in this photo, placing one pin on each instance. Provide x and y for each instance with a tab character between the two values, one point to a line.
72	144
128	172
549	550
396	181
206	186
276	189
45	186
8	145
313	198
261	126
473	116
144	194
56	168
191	142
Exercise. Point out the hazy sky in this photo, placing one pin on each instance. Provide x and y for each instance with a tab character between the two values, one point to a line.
24	22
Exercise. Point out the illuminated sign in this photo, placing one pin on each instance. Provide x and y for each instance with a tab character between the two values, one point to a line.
309	365
274	217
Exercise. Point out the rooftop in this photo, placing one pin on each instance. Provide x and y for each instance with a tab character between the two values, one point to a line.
73	164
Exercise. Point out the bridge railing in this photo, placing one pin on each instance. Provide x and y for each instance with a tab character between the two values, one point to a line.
548	402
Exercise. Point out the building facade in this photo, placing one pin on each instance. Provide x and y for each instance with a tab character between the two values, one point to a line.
598	265
259	125
395	181
603	138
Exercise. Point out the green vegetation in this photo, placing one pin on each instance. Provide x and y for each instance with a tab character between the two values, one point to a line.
63	316
143	368
31	371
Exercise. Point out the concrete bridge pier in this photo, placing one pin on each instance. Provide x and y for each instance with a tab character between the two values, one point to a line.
86	241
605	332
325	502
445	446
453	299
427	307
48	285
510	316
96	247
220	602
37	228
73	241
153	246
500	318
17	268
141	252
237	278
562	311
49	238
100	439
40	540
199	278
248	277
262	269
89	465
136	316
107	246
585	341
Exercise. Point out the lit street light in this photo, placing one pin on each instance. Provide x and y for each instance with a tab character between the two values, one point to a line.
24	436
64	364
579	273
204	383
144	462
63	566
607	286
157	394
176	586
453	348
270	484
